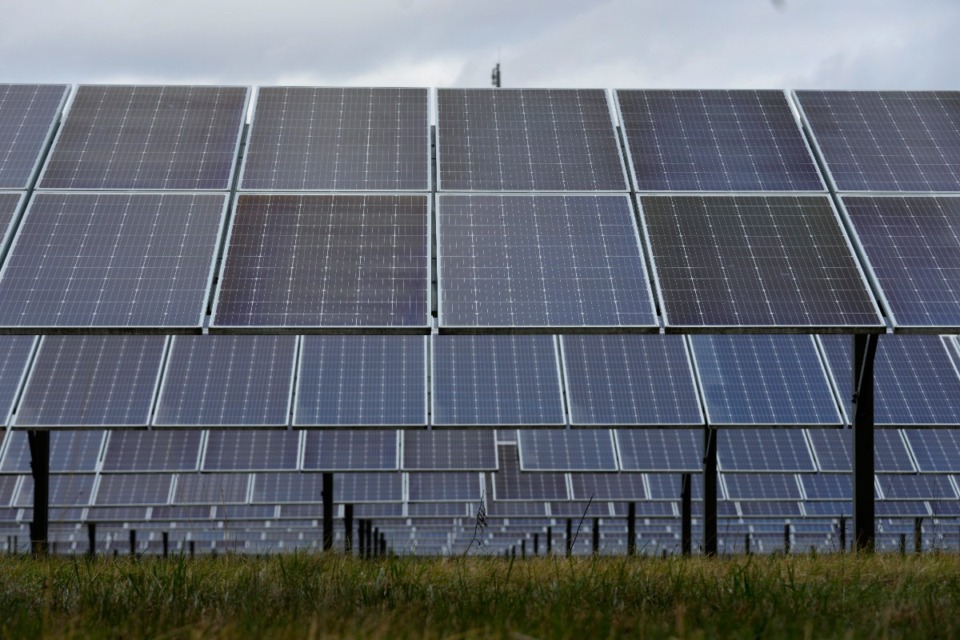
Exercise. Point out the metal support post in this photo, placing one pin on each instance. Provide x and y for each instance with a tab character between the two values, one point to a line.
327	511
91	539
786	539
632	529
918	535
348	529
39	442
362	535
166	544
536	544
746	543
549	541
864	527
133	542
569	537
686	515
709	491
843	534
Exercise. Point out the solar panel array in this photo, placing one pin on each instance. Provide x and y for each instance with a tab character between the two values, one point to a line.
28	115
715	141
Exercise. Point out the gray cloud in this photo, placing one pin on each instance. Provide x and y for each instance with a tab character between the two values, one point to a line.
609	43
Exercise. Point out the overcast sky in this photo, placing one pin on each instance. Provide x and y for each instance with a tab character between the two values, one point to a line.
855	44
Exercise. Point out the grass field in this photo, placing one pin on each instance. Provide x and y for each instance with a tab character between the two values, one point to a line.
319	596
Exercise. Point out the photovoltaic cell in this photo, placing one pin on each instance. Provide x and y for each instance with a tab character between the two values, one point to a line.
912	245
334	139
277	488
158	137
608	486
763	381
323	261
936	450
887	140
665	486
755	261
566	450
367	487
915	381
92	381
496	381
134	489
444	487
923	487
629	380
15	352
761	486
828	486
510	484
362	381
227	381
715	141
211	488
252	451
154	451
660	449
28	113
449	451
833	448
763	450
86	260
350	451
527	140
541	261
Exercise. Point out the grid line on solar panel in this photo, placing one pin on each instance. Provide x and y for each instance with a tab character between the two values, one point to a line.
15	355
535	261
715	141
911	246
460	450
112	260
629	380
527	140
660	449
566	450
326	262
227	381
763	380
916	382
763	450
894	141
28	115
376	381
495	381
760	262
338	139
92	381
156	137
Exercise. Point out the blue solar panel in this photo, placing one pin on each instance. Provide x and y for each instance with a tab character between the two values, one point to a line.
901	509
761	486
15	352
763	380
278	488
362	381
351	451
541	261
777	509
665	486
828	486
629	380
510	484
84	381
134	489
936	450
660	449
715	141
566	450
833	450
9	210
252	451
211	489
915	380
141	451
366	487
227	381
28	114
609	486
496	381
912	245
763	450
444	487
449	451
65	490
922	487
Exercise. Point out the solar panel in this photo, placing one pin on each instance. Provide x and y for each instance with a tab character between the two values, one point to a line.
154	451
778	509
660	449
158	137
120	260
449	451
351	451
912	247
421	510
92	381
629	380
8	485
362	381
335	139
9	209
936	450
326	261
65	491
211	488
134	489
827	486
736	262
527	140
367	487
444	487
715	141
834	452
15	352
664	486
565	450
915	380
760	380
28	114
252	451
509	484
763	450
608	486
277	488
541	261
227	381
761	486
498	380
829	509
923	487
887	140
